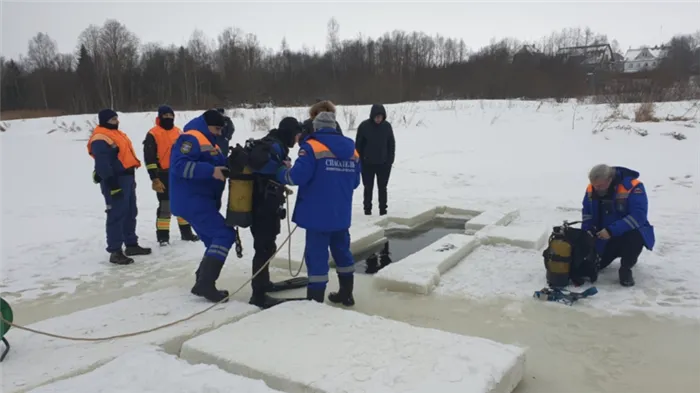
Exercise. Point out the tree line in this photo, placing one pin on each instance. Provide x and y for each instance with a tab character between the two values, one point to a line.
111	68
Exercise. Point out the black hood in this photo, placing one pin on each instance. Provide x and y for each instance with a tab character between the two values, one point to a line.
377	109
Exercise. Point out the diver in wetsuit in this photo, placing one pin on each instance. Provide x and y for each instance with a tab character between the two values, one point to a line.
268	210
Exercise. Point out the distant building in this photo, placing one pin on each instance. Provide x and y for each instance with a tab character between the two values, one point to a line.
644	59
593	58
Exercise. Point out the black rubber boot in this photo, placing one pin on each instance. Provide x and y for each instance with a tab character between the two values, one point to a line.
265	301
187	235
163	237
209	271
135	249
118	258
626	278
344	294
316	294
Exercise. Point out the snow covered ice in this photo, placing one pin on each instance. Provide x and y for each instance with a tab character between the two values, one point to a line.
490	156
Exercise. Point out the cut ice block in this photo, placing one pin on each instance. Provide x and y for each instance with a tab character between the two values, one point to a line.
300	347
491	217
420	272
526	236
138	372
37	360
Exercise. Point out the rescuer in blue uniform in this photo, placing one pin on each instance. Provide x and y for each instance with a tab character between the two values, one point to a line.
197	181
615	210
327	173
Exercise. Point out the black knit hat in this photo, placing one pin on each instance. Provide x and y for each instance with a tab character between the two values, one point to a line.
213	118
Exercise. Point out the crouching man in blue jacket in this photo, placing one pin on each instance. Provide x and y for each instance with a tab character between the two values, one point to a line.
327	173
197	182
615	211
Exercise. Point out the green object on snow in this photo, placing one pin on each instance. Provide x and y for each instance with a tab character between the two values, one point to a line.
7	315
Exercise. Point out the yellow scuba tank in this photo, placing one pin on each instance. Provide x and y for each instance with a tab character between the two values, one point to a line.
239	210
558	258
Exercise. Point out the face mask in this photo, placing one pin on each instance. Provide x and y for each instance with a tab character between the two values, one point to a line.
111	126
167	123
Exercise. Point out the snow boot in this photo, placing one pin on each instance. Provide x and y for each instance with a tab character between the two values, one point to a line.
368	212
207	274
382	212
316	294
187	235
163	237
118	258
626	278
344	294
135	249
265	301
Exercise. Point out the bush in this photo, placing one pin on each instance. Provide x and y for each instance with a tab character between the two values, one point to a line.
645	113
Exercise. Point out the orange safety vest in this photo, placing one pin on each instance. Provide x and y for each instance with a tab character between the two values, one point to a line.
322	151
165	139
622	193
204	144
118	139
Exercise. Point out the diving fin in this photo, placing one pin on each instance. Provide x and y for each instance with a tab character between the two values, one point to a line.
292	283
266	301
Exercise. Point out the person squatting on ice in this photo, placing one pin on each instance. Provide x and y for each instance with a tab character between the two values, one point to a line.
115	166
156	153
268	209
197	182
327	172
376	144
615	211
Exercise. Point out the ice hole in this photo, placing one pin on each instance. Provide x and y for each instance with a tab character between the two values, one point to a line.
402	241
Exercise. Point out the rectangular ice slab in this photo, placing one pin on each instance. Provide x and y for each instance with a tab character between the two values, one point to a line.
526	236
318	351
36	360
420	272
491	217
153	371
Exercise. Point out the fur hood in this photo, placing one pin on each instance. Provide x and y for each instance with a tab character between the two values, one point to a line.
322	106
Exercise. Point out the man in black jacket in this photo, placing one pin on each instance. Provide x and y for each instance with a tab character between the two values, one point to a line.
376	145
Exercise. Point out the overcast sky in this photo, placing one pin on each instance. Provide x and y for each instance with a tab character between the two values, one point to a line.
304	23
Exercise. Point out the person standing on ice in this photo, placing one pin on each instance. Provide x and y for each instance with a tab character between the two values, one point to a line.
268	209
376	144
115	166
156	152
327	172
197	182
615	211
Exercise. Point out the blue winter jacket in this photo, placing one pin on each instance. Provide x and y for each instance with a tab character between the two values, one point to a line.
327	173
193	188
624	212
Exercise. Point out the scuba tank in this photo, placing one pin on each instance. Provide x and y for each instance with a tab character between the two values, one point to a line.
242	162
558	257
239	209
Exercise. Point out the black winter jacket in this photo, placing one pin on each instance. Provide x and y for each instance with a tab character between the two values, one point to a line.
375	142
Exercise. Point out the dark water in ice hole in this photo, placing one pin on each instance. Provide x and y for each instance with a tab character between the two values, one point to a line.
402	243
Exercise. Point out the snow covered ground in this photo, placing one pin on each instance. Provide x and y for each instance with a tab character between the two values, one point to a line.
527	155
